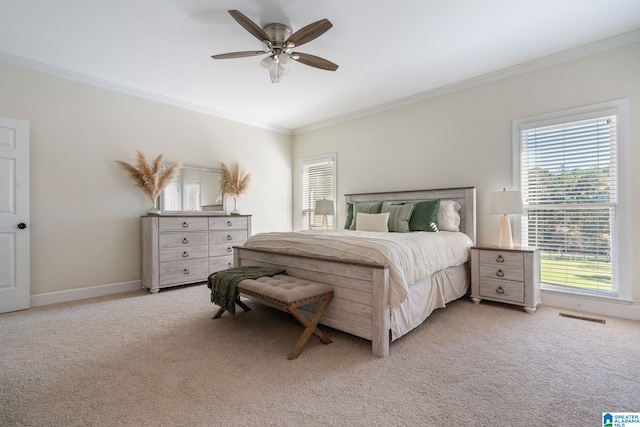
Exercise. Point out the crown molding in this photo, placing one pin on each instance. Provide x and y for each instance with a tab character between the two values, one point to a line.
128	90
559	58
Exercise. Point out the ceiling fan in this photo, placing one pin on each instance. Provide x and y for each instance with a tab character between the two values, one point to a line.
279	43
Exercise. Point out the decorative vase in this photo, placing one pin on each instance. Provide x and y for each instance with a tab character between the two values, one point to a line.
235	210
154	210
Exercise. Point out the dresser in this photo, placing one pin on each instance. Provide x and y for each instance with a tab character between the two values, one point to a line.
506	275
182	249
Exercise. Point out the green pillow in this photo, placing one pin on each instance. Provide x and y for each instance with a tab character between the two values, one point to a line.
364	207
425	216
399	215
349	220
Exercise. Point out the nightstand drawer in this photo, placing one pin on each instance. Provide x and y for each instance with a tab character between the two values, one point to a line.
502	272
501	258
502	290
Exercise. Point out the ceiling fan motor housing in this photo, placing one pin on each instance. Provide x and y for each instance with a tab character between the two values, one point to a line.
278	33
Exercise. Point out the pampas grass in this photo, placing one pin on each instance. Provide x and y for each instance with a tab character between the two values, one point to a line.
150	178
233	183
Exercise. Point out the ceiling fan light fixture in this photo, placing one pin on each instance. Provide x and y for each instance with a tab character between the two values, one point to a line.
273	65
267	62
284	59
279	41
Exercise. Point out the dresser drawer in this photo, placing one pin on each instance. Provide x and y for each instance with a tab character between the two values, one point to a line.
182	224
502	290
228	223
221	249
183	240
188	271
234	237
503	272
189	252
220	263
500	258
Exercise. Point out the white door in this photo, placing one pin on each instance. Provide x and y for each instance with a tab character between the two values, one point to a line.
14	215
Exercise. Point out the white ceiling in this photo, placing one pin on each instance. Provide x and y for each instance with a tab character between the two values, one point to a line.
387	50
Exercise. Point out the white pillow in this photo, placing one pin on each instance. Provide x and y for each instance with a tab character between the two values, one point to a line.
448	216
372	222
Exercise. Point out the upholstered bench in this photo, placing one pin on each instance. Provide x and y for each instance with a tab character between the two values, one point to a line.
289	293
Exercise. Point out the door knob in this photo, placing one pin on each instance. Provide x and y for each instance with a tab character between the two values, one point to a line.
22	226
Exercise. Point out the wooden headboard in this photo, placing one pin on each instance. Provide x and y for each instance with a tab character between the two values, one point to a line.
466	196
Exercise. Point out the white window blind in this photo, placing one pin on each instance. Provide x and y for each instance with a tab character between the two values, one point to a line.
318	182
569	185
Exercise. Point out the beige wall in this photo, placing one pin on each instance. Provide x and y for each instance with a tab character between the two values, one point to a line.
464	138
84	211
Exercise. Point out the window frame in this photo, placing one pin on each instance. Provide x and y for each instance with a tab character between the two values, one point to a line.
619	108
332	157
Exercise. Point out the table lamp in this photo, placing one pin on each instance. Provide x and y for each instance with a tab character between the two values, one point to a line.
506	203
324	208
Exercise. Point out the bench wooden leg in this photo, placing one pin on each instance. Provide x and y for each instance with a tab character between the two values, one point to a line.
221	311
311	326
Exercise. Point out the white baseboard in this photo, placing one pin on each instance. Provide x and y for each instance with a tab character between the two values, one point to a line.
603	306
82	293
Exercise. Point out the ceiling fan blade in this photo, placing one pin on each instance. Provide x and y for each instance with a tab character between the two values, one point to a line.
310	32
239	54
314	61
249	25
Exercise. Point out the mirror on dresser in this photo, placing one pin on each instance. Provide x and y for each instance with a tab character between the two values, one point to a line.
194	190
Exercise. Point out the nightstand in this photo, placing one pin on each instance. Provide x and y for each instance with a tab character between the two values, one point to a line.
506	275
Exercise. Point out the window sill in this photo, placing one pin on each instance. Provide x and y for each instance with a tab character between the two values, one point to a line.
593	297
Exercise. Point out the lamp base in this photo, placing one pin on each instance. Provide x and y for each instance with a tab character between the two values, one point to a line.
506	239
325	222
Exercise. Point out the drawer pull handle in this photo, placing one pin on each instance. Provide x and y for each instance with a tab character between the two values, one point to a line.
229	249
229	237
185	241
185	224
229	223
185	254
230	264
186	271
500	290
500	273
500	259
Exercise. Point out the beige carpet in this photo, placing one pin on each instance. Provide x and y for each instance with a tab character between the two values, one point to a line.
137	359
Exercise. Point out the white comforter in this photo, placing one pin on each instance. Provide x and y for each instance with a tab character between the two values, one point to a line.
411	256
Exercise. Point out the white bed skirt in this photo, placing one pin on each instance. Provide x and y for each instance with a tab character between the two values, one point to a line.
427	295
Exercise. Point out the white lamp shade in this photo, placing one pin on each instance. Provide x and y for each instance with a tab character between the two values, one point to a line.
506	202
324	207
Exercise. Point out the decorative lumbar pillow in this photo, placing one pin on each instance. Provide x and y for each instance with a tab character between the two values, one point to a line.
364	207
399	215
425	216
448	216
349	220
372	222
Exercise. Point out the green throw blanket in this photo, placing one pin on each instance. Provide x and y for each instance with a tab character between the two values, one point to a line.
223	284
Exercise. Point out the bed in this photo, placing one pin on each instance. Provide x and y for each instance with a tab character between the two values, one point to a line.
368	300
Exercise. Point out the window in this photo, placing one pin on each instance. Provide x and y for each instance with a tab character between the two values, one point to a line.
568	169
318	181
191	194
